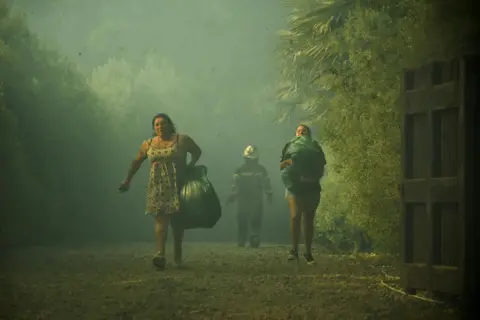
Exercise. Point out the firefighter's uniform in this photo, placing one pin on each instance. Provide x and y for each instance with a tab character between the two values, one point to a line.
250	183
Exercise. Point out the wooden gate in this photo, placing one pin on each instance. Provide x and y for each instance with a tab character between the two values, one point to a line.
433	178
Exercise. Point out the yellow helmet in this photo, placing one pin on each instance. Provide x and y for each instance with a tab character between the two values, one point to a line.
251	152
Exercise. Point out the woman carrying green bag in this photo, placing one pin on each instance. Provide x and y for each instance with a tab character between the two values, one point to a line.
302	166
167	152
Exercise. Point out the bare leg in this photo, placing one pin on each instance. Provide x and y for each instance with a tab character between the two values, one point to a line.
308	229
161	227
311	204
178	233
295	218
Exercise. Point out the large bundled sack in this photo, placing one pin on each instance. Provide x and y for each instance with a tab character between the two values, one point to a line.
308	160
200	204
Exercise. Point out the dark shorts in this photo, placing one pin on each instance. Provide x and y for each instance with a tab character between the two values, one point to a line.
305	189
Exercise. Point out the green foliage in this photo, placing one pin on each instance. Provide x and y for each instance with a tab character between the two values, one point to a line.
342	64
52	133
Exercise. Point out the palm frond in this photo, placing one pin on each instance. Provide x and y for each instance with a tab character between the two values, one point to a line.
307	54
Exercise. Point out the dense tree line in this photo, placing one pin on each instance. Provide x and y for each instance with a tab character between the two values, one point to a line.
53	138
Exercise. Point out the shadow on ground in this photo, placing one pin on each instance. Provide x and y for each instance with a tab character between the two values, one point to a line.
221	282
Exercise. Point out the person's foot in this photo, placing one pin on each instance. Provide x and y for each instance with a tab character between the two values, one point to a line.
159	261
309	258
292	255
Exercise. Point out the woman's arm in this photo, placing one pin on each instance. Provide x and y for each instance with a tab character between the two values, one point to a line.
285	163
192	148
137	162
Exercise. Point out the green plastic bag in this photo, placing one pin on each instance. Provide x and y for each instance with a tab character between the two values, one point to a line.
308	159
200	205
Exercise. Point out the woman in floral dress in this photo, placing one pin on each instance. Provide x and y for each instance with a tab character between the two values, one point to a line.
167	152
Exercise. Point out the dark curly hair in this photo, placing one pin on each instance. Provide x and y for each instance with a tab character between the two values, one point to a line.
167	118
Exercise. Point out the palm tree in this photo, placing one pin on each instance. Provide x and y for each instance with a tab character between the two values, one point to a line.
306	53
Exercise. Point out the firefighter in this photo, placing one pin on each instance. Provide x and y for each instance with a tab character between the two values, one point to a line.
250	183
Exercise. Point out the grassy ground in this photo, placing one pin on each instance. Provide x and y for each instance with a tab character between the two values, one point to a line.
220	282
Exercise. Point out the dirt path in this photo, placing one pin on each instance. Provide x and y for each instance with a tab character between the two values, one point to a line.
221	282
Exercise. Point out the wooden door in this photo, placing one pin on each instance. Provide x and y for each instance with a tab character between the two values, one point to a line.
433	175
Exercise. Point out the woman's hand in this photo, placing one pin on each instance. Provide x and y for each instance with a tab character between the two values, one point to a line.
124	186
285	164
141	156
